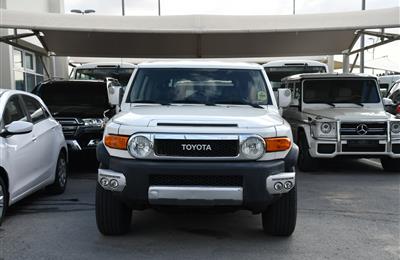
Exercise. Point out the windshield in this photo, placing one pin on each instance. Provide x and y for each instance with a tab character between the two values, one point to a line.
356	91
122	75
92	94
276	74
204	86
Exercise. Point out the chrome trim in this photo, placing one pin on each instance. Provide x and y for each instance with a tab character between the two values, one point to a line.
195	195
153	137
74	145
280	177
109	175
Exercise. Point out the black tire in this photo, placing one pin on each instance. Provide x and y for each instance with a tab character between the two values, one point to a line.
280	218
306	163
60	181
3	200
113	217
390	164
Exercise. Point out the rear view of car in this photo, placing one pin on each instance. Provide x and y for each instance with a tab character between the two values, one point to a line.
79	105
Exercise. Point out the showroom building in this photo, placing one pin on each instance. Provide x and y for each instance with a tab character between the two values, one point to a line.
23	62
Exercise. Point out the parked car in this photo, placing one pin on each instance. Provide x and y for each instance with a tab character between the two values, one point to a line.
386	82
102	70
79	106
342	115
33	152
394	95
198	134
279	69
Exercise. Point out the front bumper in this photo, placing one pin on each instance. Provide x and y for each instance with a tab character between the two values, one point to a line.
253	192
334	148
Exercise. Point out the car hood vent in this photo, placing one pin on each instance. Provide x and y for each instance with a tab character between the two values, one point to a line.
196	125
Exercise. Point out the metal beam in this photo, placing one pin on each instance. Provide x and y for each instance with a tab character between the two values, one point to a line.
354	63
375	45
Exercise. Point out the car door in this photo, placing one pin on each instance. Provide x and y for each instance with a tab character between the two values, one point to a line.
43	137
17	150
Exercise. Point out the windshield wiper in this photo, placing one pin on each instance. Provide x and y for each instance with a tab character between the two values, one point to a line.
239	103
357	103
329	103
152	102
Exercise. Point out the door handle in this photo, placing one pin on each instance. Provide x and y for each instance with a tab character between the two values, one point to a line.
34	138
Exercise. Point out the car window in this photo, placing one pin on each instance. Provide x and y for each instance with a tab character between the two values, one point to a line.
35	109
13	111
199	85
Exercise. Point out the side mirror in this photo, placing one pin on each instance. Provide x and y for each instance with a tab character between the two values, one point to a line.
114	91
387	102
284	97
17	128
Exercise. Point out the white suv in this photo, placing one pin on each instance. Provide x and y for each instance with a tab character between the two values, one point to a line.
343	115
33	152
198	134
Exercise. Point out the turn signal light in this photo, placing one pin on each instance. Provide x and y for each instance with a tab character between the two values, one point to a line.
116	141
277	144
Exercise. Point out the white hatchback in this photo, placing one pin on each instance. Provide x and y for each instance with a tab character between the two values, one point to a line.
33	152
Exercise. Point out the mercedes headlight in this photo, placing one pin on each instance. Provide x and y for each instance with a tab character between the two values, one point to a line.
324	129
253	147
395	128
140	146
93	122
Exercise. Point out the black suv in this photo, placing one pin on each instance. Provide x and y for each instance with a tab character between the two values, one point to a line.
79	106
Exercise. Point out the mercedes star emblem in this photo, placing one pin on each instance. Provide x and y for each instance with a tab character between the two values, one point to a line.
362	129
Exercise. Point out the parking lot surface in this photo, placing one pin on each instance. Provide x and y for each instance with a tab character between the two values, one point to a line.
347	210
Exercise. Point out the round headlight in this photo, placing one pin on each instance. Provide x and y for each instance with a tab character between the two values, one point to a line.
395	127
253	147
140	146
326	128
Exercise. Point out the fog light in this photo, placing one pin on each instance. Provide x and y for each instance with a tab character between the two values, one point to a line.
114	183
288	185
278	186
104	182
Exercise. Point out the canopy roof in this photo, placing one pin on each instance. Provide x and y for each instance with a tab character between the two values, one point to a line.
206	36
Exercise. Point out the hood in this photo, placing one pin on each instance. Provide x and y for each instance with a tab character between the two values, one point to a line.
241	116
77	111
350	114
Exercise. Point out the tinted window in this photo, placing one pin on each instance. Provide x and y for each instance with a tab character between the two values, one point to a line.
340	91
76	93
276	74
34	108
395	93
13	111
199	86
122	75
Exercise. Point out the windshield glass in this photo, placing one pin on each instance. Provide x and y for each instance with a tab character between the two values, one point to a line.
356	91
92	94
276	74
122	75
204	86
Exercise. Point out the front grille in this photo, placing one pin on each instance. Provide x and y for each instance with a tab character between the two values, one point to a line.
196	180
69	126
363	146
196	148
372	128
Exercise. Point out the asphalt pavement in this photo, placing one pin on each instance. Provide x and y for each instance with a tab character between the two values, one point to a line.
347	210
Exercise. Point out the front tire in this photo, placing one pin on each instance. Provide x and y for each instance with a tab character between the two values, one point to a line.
280	218
113	217
306	163
390	164
60	182
3	200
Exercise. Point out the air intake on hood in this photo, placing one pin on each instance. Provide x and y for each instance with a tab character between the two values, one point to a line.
197	125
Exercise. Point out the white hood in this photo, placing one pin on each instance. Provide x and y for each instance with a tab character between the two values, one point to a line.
242	116
350	114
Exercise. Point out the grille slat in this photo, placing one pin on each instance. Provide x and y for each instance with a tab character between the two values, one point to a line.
69	126
373	128
196	180
196	148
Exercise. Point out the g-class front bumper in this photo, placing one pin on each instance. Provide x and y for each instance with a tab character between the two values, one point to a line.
251	185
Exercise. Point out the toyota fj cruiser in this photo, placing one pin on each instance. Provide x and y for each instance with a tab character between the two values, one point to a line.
341	115
197	134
